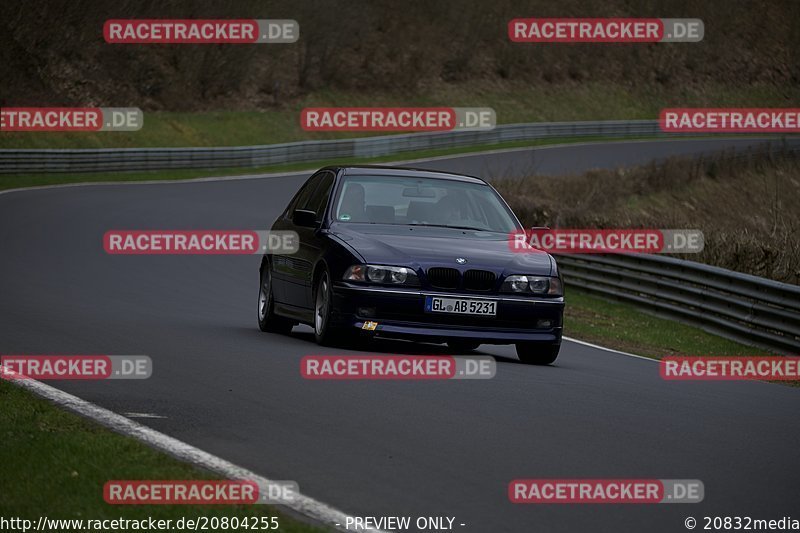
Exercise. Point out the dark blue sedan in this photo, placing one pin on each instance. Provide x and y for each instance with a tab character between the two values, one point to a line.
414	254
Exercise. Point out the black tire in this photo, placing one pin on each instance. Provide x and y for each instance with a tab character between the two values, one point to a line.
532	353
324	333
462	345
267	319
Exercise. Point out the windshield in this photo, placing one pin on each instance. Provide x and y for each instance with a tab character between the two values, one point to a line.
423	202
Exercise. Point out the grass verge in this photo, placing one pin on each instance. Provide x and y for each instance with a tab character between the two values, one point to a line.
625	327
513	102
747	204
56	463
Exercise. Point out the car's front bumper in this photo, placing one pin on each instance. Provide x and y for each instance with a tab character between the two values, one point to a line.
401	313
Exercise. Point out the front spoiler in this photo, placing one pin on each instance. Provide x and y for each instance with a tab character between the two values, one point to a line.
435	333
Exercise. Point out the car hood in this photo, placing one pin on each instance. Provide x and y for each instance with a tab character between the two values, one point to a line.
421	246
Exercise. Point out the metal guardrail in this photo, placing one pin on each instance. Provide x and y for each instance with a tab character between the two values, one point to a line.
138	159
742	307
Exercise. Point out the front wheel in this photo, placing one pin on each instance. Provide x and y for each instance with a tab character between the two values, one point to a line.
267	319
532	353
323	309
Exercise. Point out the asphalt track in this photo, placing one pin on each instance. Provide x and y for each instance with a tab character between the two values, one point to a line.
378	448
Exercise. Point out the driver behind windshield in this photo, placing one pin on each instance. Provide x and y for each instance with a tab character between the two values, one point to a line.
352	208
449	209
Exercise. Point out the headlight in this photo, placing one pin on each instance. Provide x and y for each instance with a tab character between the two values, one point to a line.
387	275
541	285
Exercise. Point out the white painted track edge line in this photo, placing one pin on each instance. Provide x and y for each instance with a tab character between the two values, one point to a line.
304	505
612	350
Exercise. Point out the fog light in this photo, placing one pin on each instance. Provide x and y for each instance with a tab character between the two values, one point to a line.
368	312
544	324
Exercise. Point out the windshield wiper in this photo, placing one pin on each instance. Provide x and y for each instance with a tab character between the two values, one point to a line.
453	227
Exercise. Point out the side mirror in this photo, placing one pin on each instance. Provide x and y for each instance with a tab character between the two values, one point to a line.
304	218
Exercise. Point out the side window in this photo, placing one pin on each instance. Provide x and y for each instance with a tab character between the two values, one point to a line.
319	200
301	198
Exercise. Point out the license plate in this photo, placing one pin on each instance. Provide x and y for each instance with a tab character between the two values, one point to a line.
460	306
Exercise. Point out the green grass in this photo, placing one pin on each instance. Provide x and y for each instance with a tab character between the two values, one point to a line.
513	102
625	327
55	463
15	181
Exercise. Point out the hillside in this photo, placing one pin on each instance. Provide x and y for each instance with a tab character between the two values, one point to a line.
381	50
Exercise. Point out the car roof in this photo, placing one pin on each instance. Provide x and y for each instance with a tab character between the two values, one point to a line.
378	171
